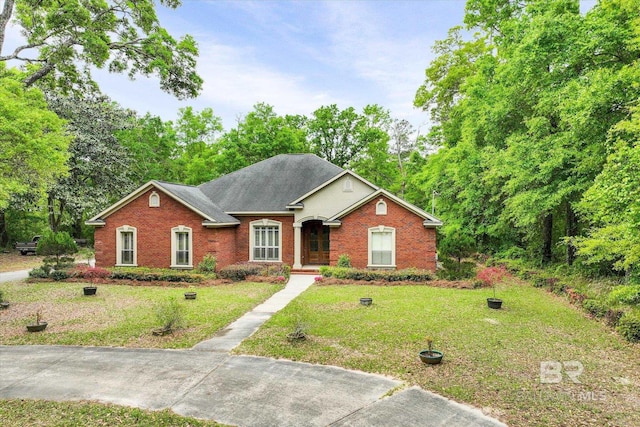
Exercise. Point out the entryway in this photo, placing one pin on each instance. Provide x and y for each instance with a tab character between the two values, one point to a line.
315	243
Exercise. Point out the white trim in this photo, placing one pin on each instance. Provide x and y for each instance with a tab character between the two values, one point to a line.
119	231
264	222
381	207
174	246
335	178
381	229
430	220
137	193
261	213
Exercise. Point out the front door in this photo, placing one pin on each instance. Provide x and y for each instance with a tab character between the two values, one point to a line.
316	243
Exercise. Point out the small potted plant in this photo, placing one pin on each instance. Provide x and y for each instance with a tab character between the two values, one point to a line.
494	302
430	356
366	301
38	326
3	304
190	295
299	333
89	290
490	276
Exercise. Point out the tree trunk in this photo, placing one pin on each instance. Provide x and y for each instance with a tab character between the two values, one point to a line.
5	17
547	236
4	237
571	231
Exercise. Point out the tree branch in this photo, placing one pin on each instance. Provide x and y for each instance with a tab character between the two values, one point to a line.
7	10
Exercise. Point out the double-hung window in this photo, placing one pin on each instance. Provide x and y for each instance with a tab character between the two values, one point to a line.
181	247
126	253
266	240
382	247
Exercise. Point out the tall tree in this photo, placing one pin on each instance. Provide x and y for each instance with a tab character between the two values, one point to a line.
33	143
99	167
333	135
261	134
65	39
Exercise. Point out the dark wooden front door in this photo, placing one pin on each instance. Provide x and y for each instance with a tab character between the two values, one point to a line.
316	243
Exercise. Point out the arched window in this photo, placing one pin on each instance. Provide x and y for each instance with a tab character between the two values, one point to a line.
154	200
265	240
347	185
381	208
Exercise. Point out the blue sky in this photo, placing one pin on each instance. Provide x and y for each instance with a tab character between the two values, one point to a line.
299	55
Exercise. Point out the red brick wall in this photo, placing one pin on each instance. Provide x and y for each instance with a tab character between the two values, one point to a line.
415	244
154	233
242	237
228	245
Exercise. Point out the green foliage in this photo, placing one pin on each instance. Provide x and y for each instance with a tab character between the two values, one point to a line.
170	314
40	272
454	270
408	275
595	307
57	245
208	264
344	261
154	275
59	275
1	295
240	272
625	294
65	40
629	327
33	142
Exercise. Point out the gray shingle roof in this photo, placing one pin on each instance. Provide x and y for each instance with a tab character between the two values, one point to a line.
268	186
195	198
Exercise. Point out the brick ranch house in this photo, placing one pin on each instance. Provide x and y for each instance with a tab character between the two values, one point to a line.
293	208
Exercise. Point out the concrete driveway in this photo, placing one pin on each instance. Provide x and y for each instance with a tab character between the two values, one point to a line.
235	390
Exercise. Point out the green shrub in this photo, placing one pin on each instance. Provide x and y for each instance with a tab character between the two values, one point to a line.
239	272
59	275
344	261
150	275
595	307
407	275
613	317
208	264
624	294
1	296
629	327
170	314
39	273
453	270
57	245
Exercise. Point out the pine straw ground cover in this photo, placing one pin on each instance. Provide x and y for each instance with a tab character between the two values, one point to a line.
492	358
13	261
122	315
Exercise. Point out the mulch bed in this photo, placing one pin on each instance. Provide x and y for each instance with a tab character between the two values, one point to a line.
455	284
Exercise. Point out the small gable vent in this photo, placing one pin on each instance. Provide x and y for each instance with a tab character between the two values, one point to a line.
381	208
154	200
347	185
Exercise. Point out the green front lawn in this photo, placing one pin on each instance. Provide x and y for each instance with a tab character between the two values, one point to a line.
122	315
492	357
29	413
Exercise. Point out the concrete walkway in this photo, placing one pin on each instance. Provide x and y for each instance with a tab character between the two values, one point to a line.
237	390
231	336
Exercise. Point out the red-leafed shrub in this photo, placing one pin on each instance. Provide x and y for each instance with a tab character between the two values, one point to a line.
491	275
91	273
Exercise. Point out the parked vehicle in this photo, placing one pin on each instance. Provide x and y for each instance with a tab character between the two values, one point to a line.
28	247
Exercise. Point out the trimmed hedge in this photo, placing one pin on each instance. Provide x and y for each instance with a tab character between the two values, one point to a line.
240	272
408	275
148	275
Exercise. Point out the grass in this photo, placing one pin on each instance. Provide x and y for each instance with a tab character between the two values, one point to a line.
30	413
121	315
492	357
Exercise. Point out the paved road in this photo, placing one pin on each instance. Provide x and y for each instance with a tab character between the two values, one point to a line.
14	275
207	382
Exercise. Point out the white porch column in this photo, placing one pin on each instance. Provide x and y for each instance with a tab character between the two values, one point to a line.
297	245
